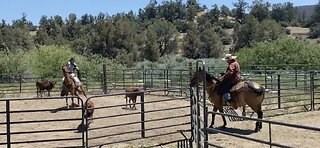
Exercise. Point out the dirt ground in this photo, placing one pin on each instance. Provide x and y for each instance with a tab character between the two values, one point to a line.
283	135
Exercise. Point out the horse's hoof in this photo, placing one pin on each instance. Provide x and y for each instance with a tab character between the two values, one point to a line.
211	126
256	130
223	126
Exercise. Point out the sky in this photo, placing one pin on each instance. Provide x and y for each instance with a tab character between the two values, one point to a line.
34	9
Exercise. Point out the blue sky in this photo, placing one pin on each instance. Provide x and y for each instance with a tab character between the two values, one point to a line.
34	9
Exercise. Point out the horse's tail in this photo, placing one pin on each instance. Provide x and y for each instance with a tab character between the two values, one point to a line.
255	87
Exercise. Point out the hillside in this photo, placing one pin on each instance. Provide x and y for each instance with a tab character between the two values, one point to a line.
305	11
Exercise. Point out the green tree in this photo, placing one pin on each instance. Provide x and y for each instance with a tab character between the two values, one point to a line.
239	10
280	53
244	34
225	11
192	9
210	46
151	51
191	42
315	18
166	36
260	10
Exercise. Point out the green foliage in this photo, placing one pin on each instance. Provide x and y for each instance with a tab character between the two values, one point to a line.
315	18
315	31
178	62
283	12
260	10
281	53
239	10
253	31
211	46
191	42
165	36
151	51
226	40
14	39
48	60
12	62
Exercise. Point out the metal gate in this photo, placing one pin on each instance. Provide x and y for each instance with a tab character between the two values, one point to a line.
24	122
199	111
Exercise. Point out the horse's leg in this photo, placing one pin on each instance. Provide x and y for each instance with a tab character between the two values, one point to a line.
37	92
223	118
41	92
213	116
258	123
126	101
134	102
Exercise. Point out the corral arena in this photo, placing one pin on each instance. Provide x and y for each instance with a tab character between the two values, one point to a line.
164	117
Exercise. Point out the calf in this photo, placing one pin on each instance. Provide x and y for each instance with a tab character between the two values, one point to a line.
44	85
132	96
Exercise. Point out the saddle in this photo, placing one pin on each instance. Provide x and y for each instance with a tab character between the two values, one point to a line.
244	86
249	86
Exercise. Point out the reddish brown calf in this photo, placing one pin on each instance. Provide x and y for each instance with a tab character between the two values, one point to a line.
44	85
132	96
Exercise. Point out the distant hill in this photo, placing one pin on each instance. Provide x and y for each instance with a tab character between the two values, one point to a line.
305	11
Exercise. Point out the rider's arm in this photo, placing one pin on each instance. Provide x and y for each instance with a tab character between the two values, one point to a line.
230	71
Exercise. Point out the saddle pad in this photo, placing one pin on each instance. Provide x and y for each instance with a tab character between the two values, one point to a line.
237	87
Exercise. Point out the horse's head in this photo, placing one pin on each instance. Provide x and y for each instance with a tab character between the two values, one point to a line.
200	75
64	69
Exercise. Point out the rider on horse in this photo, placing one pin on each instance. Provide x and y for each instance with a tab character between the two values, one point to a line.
230	78
71	69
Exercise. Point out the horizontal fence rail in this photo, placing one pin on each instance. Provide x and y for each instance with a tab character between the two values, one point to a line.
270	123
142	123
36	119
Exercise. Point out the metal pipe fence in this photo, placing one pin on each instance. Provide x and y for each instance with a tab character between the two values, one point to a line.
36	118
148	124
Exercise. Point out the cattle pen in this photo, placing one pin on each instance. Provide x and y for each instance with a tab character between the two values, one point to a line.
168	112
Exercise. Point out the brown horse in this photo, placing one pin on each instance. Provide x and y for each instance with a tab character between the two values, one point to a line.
69	86
253	95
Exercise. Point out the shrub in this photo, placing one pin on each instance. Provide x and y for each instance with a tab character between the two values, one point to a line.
48	60
287	31
226	40
314	31
281	53
12	62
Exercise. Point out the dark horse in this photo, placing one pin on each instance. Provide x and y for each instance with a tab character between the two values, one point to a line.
250	93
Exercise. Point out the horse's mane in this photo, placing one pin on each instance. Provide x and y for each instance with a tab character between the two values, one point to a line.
210	77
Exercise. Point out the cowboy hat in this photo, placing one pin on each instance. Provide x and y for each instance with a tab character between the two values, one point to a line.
229	57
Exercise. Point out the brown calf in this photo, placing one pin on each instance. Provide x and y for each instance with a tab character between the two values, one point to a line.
132	96
44	85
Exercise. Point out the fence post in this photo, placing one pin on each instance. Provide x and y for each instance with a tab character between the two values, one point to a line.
180	79
142	115
143	78
104	77
123	79
296	77
312	90
20	81
279	92
191	104
305	82
265	77
8	123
